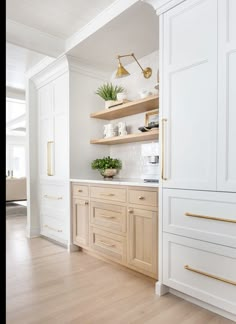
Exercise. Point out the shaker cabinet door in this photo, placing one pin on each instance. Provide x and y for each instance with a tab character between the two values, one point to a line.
189	105
226	175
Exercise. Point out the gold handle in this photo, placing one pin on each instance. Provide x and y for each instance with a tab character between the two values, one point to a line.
52	228
209	275
105	216
163	161
53	197
80	190
211	217
141	198
50	159
130	211
107	244
86	203
82	203
109	195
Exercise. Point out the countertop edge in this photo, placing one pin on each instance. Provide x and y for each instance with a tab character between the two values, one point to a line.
120	183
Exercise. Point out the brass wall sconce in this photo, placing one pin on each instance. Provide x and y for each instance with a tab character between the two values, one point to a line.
121	71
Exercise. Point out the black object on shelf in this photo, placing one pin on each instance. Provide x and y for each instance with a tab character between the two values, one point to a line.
149	127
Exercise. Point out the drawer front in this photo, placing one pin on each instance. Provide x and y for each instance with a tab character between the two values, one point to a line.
207	216
203	270
53	228
143	197
111	245
109	193
107	215
53	196
79	190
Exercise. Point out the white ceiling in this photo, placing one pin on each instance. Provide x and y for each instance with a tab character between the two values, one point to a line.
135	31
18	61
60	18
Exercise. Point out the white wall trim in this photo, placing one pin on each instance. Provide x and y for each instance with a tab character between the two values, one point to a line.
41	65
51	71
203	304
33	39
161	289
82	67
32	232
161	6
99	21
15	93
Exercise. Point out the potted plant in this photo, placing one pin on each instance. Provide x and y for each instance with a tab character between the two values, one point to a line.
107	166
108	92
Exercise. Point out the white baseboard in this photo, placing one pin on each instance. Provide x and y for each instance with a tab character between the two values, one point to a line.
161	289
56	240
32	232
72	247
207	306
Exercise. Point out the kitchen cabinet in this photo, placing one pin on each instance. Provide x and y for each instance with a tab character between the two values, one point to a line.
198	151
122	223
128	109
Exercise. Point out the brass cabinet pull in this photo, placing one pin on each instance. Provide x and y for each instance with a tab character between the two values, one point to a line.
187	267
107	244
86	202
53	197
109	195
211	217
80	190
141	197
105	216
130	211
163	160
50	159
52	228
82	203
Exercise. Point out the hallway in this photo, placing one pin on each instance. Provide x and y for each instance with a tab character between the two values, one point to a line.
46	284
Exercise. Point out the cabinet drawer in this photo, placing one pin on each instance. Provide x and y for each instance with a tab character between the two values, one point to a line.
111	245
142	197
209	216
109	193
203	270
53	196
79	190
53	228
109	216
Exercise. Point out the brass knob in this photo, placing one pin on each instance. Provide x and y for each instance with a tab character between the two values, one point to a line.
86	203
130	211
141	197
80	190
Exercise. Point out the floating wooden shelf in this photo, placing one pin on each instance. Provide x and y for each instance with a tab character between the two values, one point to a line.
138	137
128	109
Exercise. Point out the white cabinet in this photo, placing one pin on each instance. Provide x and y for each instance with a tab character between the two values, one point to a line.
226	158
53	128
198	110
53	139
189	101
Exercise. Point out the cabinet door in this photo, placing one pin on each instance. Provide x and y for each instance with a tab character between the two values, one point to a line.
189	103
142	240
61	145
80	222
226	172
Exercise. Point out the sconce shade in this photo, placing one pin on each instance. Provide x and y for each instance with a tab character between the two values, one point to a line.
121	71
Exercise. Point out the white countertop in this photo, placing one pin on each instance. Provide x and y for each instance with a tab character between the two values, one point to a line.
117	181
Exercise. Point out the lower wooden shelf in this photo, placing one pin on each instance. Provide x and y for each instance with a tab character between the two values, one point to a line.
138	137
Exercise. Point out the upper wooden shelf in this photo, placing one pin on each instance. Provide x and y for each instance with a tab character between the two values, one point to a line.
128	109
138	137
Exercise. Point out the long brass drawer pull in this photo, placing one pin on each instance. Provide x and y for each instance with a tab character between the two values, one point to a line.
210	275
52	228
162	145
105	216
211	217
107	244
53	197
109	195
50	158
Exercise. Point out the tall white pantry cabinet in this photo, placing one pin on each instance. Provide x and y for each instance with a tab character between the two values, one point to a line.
198	135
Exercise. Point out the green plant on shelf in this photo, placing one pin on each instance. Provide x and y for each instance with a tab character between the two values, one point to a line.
108	91
106	163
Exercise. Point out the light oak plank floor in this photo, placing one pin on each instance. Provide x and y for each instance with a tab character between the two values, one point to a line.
46	284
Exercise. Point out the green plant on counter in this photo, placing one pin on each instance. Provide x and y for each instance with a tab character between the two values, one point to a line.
106	163
108	91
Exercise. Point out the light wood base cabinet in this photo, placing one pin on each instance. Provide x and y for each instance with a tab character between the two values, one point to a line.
142	240
118	223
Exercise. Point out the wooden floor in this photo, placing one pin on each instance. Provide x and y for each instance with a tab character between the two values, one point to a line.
46	284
